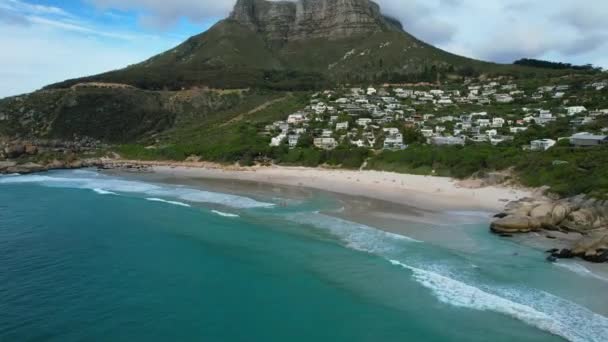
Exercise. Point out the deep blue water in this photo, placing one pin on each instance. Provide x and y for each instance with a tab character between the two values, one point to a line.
87	257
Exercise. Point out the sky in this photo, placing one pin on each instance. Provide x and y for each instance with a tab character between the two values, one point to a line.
49	41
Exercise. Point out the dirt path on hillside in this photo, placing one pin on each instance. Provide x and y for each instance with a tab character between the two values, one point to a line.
256	109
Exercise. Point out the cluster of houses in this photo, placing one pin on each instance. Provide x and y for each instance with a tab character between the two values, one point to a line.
377	118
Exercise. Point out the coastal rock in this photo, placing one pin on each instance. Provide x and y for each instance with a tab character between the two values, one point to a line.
5	165
26	168
592	248
515	224
560	212
581	220
571	216
14	151
544	213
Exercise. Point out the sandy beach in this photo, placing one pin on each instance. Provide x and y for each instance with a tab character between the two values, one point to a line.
425	192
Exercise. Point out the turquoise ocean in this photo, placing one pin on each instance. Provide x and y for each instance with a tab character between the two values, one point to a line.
91	257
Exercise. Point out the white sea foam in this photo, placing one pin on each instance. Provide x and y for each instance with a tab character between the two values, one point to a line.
355	235
92	180
181	204
579	269
542	310
104	192
536	308
217	212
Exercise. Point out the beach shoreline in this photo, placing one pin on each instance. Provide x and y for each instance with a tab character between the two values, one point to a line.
424	192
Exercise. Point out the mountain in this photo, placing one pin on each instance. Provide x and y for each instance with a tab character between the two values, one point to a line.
293	45
266	46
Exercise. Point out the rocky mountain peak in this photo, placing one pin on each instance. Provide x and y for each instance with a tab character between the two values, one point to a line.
310	19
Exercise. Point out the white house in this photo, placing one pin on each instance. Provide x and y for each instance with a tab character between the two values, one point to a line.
498	122
293	139
445	101
320	108
542	144
342	126
447	141
371	91
427	132
364	121
517	129
278	140
391	130
503	98
394	142
325	143
483	122
575	110
296	119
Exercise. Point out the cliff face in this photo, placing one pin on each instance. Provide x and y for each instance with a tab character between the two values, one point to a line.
285	21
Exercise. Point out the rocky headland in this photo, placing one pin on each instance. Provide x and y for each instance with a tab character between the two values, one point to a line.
583	217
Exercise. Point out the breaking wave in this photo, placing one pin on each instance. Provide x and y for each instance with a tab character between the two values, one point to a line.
181	204
354	235
94	181
580	269
544	311
537	308
104	192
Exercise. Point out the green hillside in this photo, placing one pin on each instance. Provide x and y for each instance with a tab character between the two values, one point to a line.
230	55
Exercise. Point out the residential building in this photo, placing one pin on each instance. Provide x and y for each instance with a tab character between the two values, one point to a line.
342	126
293	139
325	143
394	142
586	139
576	110
542	144
448	141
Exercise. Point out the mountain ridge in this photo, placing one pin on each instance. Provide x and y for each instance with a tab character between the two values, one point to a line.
286	45
310	19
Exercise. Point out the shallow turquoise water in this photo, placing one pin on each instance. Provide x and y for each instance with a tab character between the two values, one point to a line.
91	257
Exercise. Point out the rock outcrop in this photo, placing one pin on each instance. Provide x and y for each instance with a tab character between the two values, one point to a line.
585	216
284	21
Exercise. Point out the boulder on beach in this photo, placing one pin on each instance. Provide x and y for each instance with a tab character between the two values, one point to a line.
515	224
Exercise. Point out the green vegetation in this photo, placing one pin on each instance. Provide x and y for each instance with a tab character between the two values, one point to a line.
537	63
568	171
229	56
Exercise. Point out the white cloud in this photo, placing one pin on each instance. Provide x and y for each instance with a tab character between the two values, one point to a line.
44	44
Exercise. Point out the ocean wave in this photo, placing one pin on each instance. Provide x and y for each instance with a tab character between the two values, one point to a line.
91	180
541	310
356	236
104	192
580	270
217	212
181	204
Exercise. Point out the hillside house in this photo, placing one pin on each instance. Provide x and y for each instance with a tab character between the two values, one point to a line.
575	110
325	143
292	140
448	141
587	140
342	126
394	142
542	144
